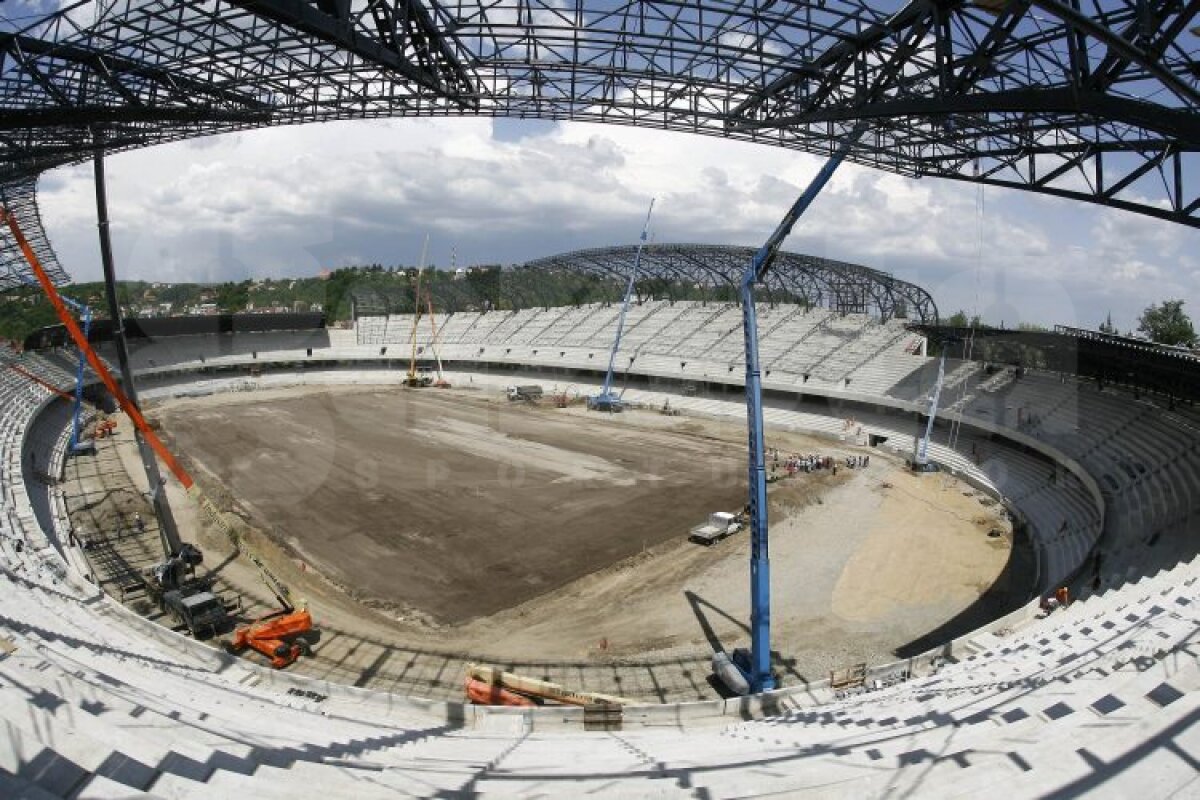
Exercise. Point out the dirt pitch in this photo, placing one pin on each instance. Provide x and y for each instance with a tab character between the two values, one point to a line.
550	539
452	507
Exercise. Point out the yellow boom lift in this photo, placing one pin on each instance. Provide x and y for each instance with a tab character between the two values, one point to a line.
413	379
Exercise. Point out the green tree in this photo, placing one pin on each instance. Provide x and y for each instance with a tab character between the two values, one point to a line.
959	319
484	283
233	297
1166	323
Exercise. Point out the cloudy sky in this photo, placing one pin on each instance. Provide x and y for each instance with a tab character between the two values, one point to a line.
292	201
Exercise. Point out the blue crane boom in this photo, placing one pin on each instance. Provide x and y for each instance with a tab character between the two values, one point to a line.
85	315
921	456
607	400
758	671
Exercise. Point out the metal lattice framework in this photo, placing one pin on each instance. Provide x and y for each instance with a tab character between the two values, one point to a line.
715	271
1095	100
20	197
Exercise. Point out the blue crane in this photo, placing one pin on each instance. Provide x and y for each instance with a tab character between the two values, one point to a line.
921	451
758	671
608	400
85	315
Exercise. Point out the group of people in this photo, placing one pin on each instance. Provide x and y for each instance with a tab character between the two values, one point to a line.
857	462
793	464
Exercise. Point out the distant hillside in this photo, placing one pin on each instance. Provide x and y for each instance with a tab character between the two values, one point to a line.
26	309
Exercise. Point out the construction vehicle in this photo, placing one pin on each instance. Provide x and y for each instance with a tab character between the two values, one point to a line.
607	400
489	694
920	462
529	393
757	671
76	446
200	612
534	688
565	398
720	524
194	492
277	636
104	428
186	600
413	379
175	571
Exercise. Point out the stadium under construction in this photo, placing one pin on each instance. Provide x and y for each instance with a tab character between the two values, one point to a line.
278	556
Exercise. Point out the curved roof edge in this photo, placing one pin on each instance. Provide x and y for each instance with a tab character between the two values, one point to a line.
795	277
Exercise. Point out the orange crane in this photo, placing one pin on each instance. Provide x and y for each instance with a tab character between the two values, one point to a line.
277	587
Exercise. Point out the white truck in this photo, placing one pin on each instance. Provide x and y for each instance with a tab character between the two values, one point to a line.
720	524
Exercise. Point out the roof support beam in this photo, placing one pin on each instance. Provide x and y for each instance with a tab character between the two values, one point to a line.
110	64
1120	46
1183	126
312	20
88	116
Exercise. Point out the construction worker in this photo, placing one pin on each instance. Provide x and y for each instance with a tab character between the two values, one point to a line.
138	522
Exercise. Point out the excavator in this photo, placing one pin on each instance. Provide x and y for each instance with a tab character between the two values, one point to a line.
269	635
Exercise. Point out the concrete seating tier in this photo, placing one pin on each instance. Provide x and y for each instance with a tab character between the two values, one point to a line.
1100	697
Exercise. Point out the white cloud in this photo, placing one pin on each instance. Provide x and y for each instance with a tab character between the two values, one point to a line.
295	200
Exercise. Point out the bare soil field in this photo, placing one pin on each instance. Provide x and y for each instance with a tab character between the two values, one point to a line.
429	528
451	507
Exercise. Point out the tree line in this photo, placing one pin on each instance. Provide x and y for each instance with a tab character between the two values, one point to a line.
1164	323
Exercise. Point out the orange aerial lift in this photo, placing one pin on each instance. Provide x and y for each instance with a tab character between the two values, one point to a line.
289	619
486	685
275	636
